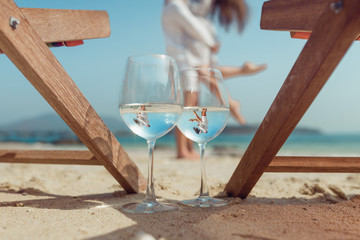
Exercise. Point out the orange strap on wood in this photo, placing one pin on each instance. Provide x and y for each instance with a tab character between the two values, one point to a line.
306	35
74	43
66	43
60	44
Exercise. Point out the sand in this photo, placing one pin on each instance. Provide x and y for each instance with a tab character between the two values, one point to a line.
84	202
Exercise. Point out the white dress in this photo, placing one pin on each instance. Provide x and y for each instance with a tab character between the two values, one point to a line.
201	10
184	32
142	119
203	125
181	28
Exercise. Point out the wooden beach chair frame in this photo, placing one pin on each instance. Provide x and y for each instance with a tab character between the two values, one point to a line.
24	33
334	24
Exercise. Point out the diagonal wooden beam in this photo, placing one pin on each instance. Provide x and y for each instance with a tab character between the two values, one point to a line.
33	58
331	38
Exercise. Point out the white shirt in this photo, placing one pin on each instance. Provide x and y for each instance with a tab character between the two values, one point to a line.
142	118
201	10
203	125
181	28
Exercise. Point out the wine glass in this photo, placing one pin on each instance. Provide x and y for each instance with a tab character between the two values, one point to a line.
151	102
205	114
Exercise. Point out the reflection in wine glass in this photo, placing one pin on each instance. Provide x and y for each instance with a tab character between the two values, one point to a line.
150	104
204	120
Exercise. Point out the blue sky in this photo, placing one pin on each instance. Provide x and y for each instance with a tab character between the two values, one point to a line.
97	66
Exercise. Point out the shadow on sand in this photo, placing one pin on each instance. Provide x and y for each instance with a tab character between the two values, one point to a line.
189	222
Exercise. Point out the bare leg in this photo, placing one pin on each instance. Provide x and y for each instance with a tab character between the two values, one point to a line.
235	111
233	104
184	145
247	69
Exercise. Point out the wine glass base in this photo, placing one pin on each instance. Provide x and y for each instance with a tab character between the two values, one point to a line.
205	202
149	207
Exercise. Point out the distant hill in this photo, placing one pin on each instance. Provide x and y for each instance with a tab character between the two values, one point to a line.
252	128
53	123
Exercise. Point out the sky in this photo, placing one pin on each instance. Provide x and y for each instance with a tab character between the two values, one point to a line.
97	66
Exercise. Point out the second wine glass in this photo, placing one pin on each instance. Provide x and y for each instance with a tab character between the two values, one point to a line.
150	105
205	114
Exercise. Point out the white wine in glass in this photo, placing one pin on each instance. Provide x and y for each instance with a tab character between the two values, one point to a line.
151	104
205	114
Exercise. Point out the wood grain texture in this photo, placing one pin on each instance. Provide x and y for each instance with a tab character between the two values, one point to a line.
56	25
34	59
292	15
68	157
331	38
314	164
278	164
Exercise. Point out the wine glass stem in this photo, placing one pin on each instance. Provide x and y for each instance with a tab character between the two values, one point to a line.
204	191
150	191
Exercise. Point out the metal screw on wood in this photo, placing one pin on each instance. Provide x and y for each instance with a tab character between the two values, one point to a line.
337	6
14	22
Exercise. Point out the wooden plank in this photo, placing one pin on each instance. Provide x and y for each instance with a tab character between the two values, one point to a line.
314	164
294	15
68	157
34	59
328	43
56	25
279	164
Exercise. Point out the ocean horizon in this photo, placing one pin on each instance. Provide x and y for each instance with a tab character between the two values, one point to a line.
296	144
51	129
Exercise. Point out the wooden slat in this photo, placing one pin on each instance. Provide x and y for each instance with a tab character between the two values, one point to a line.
56	25
331	38
68	157
279	164
34	59
314	164
292	15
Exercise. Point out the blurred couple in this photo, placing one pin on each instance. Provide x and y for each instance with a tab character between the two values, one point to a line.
191	39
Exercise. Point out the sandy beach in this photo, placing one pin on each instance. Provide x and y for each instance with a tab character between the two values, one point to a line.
84	202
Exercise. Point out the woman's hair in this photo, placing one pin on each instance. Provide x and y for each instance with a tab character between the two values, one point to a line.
230	11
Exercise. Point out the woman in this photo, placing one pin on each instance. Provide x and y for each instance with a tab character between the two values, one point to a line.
179	23
191	39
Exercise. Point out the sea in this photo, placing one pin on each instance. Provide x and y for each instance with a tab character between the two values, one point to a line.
296	144
312	144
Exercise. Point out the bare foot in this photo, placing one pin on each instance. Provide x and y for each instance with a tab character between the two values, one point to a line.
192	156
235	111
251	68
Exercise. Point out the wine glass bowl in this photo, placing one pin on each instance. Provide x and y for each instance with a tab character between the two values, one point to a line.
205	114
150	120
216	122
151	103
